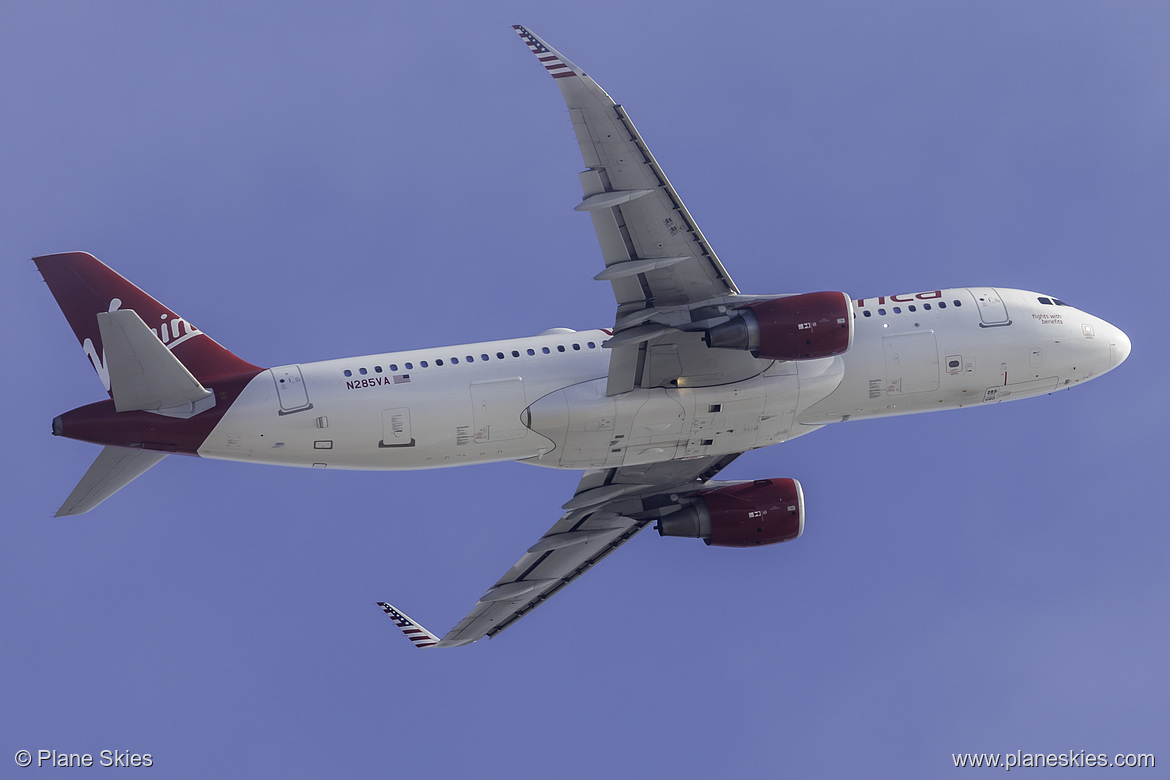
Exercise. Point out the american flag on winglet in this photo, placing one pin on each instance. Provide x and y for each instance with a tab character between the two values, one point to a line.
413	631
551	61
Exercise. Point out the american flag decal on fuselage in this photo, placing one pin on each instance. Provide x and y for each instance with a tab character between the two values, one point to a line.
414	632
547	56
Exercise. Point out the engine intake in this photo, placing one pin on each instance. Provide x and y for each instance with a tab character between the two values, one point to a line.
796	327
766	511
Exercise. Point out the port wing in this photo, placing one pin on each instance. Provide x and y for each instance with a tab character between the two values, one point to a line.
609	508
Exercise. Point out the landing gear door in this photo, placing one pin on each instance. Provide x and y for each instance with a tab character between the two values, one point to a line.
911	362
290	389
992	311
496	406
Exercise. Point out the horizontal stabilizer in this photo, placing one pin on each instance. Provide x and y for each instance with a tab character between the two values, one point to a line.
144	374
114	469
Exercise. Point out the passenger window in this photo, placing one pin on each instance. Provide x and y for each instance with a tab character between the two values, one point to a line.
393	366
532	352
438	361
423	363
377	369
882	312
362	371
484	357
410	366
544	350
500	355
576	347
348	372
868	313
454	361
897	310
592	345
942	304
926	306
560	347
515	353
958	303
912	308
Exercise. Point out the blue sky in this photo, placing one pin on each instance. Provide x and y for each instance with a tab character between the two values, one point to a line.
305	182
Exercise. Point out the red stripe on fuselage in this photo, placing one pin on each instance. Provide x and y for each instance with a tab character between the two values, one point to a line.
100	423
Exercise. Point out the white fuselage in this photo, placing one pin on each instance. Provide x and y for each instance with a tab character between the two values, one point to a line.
542	399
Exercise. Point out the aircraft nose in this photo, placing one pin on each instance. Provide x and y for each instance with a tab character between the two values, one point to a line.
1119	347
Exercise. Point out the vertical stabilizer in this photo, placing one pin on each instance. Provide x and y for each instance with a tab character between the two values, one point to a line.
85	287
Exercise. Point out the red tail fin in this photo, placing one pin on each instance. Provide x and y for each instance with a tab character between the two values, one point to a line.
84	286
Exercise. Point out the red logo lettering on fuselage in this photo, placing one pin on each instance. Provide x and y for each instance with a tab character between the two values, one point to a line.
903	298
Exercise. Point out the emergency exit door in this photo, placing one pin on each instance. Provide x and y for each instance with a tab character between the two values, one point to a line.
290	389
992	311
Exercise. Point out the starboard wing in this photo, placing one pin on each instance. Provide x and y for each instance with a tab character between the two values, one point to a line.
665	276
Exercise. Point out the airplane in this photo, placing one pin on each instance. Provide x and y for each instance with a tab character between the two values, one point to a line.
692	374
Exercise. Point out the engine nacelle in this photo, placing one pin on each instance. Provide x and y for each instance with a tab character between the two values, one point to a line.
796	327
766	511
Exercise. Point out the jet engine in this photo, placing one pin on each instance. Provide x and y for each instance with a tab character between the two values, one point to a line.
796	327
749	514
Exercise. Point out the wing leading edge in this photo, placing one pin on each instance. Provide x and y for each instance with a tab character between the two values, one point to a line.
609	508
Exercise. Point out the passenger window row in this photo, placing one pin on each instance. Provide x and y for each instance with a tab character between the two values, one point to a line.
484	357
911	308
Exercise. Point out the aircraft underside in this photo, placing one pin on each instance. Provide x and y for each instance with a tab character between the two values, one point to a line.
692	374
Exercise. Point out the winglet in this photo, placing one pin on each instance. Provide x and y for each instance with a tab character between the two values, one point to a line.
414	632
557	64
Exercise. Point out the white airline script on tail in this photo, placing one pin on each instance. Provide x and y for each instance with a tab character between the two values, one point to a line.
692	374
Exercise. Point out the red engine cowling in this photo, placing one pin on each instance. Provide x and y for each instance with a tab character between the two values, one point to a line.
797	327
766	511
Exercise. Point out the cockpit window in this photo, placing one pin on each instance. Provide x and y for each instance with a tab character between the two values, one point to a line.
1045	301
